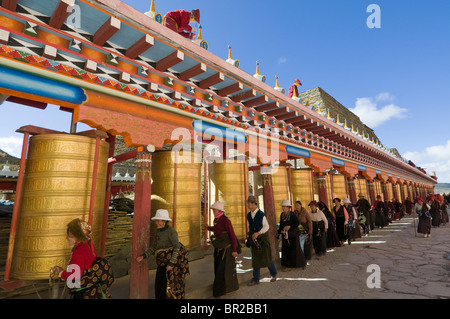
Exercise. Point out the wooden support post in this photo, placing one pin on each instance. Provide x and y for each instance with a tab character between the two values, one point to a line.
112	142
322	187
141	225
372	196
352	191
15	214
94	180
269	210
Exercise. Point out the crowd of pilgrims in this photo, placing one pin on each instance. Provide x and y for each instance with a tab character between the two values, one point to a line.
320	228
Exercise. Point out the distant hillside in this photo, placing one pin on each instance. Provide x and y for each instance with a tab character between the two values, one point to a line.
441	188
13	162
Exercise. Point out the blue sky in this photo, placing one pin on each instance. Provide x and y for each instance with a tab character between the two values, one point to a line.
396	78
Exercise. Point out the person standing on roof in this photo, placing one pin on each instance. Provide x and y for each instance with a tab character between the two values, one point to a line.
293	91
178	21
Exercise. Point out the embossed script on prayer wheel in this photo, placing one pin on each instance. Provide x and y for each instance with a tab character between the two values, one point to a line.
228	184
339	189
302	187
177	188
57	189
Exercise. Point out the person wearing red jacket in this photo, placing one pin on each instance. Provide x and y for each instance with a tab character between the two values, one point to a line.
178	21
293	90
83	251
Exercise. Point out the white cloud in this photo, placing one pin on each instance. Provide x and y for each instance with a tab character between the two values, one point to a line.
372	115
11	145
384	97
435	158
282	60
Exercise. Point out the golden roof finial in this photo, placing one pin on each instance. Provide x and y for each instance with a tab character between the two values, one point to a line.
152	7
229	53
276	81
199	37
345	124
328	114
257	68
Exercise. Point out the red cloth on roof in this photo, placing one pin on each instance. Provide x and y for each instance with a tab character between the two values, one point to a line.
181	17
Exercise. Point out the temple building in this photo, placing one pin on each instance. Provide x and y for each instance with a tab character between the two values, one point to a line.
196	127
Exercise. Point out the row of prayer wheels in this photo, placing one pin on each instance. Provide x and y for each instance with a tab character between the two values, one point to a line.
57	189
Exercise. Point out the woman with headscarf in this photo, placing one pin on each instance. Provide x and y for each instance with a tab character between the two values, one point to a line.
83	257
353	224
171	259
226	249
341	221
422	210
291	252
332	237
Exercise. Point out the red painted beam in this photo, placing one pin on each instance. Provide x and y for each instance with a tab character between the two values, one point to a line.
61	13
106	31
278	111
286	116
170	60
256	101
297	119
212	80
231	89
19	100
145	43
10	4
267	107
194	71
244	95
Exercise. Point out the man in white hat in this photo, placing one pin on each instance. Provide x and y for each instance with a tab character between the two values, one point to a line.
226	248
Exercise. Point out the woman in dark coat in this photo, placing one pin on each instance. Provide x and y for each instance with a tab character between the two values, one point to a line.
422	210
435	212
332	237
379	209
341	221
291	252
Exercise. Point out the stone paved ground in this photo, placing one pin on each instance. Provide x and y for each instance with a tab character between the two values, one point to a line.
410	267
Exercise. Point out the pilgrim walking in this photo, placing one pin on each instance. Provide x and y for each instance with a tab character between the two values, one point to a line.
226	249
258	241
291	252
171	259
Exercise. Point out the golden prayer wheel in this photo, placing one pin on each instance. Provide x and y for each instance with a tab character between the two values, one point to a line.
399	193
339	189
56	189
229	184
390	191
302	186
378	190
363	187
176	187
280	184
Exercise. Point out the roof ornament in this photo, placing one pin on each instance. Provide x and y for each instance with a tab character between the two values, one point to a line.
200	40
277	86
259	76
230	59
153	14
